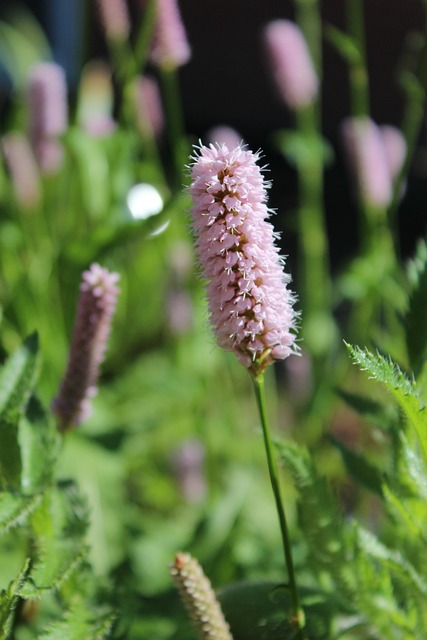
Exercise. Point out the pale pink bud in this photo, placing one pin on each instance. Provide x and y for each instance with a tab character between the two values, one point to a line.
367	160
291	64
115	18
199	598
179	310
223	134
22	168
48	113
97	302
395	148
170	47
250	306
149	108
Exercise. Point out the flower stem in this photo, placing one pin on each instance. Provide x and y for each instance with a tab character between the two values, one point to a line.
297	614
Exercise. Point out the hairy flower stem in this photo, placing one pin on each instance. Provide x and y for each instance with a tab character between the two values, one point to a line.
297	614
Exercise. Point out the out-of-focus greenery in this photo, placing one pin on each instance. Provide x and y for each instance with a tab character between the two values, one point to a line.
90	522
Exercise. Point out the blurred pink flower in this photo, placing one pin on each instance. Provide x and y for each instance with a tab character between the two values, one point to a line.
97	302
223	134
22	168
187	463
250	306
369	161
291	64
149	108
48	113
395	148
170	47
115	18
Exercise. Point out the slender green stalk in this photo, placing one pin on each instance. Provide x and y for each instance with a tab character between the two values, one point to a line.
175	122
297	618
359	88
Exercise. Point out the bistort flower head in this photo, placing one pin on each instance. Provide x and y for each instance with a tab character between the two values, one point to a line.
250	306
97	302
291	64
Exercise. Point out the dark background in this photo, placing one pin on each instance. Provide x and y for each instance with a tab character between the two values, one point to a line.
227	81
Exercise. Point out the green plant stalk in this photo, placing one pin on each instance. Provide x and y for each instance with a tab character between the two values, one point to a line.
314	249
175	123
297	617
308	18
145	35
359	87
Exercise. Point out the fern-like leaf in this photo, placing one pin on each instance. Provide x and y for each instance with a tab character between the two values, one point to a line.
403	389
8	602
15	509
79	623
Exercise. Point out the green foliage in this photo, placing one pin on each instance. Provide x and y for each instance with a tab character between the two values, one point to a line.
416	314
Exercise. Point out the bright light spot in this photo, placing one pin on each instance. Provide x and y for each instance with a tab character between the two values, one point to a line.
144	201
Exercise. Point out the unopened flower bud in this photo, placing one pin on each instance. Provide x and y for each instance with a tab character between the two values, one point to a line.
223	134
199	598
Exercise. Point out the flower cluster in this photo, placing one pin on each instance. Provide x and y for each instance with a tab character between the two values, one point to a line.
97	302
250	306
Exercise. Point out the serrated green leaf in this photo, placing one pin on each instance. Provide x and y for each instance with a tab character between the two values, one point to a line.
15	509
59	525
373	547
81	623
38	440
330	544
17	378
10	455
416	314
8	601
388	372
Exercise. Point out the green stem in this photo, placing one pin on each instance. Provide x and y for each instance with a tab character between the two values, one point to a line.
359	88
175	122
297	617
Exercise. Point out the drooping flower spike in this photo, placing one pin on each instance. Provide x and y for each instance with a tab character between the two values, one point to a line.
97	302
250	305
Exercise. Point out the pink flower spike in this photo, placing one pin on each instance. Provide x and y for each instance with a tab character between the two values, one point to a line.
291	64
250	306
367	160
170	45
97	302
